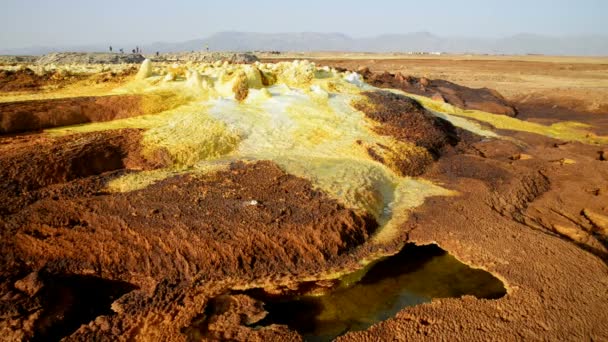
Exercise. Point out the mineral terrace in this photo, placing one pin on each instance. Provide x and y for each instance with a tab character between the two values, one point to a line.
174	201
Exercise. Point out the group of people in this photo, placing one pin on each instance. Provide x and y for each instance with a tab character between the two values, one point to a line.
121	50
136	50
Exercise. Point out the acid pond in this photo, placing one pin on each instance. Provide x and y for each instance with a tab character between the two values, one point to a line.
415	275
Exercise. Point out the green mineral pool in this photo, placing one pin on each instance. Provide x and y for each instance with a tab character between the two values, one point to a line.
415	275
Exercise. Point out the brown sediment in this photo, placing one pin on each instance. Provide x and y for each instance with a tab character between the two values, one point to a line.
27	80
405	162
252	201
541	91
484	99
407	121
548	111
167	262
503	221
252	219
32	162
240	87
68	303
34	115
555	285
571	189
229	317
118	76
19	80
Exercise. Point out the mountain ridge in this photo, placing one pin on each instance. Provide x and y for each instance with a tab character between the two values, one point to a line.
422	41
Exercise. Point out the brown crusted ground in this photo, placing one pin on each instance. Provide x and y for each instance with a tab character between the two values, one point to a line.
31	163
174	232
545	89
502	222
33	115
548	111
483	99
556	283
26	80
406	120
119	76
165	261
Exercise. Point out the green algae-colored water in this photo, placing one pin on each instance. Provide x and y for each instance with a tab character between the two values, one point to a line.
415	275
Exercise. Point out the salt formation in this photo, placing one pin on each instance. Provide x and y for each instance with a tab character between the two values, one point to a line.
169	77
301	117
145	70
354	78
294	114
319	94
240	86
194	80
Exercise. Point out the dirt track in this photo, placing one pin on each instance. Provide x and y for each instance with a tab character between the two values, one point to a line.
168	261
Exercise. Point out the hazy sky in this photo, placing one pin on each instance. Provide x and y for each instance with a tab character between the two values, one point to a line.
77	22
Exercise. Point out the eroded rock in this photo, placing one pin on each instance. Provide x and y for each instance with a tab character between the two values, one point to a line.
484	99
30	285
90	58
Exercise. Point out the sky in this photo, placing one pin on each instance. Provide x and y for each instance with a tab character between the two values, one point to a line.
25	23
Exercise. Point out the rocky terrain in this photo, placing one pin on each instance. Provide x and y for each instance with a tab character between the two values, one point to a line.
90	58
9	59
206	57
63	58
153	205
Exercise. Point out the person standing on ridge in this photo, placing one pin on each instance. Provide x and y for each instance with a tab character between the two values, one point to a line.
110	48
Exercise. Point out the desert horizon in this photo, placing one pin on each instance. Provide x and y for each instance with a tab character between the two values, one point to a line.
289	187
415	42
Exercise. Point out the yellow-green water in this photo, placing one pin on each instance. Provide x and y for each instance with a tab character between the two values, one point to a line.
416	275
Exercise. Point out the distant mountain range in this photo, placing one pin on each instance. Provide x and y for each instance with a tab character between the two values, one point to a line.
584	45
